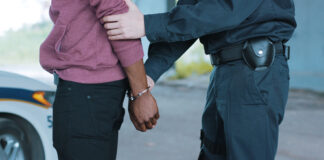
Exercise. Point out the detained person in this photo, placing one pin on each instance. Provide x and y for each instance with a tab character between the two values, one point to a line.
248	89
94	74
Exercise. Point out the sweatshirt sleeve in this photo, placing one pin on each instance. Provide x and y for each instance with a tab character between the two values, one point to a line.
127	51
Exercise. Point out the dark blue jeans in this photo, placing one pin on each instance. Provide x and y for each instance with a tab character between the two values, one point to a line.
244	110
87	118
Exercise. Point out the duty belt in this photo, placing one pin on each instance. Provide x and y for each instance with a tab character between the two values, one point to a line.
234	53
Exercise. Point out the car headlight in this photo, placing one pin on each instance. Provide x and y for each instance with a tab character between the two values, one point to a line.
44	97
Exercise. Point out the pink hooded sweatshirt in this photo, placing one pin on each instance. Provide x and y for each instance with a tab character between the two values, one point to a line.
78	50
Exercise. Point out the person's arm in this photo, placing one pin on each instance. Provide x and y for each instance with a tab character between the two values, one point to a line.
188	20
162	55
143	110
127	51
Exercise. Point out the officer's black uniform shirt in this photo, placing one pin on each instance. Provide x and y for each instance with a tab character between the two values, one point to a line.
217	23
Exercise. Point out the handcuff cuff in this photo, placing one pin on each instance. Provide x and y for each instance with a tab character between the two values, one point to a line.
133	98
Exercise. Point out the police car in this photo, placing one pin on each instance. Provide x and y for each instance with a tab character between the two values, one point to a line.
25	118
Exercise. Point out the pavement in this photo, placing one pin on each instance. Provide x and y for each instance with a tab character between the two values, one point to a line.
181	103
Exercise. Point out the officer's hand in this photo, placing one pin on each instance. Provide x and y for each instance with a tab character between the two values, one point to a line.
150	82
129	25
144	112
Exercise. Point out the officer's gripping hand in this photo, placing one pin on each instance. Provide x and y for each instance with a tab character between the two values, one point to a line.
129	25
144	112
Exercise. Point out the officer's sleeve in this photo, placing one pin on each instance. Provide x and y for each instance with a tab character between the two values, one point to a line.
162	55
197	18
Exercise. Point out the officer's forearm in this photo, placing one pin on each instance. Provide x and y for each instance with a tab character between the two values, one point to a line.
136	77
163	55
191	19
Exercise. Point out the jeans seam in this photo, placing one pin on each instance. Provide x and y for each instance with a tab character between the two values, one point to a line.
92	117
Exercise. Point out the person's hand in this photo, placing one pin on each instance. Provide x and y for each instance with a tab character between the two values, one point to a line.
144	112
129	25
150	82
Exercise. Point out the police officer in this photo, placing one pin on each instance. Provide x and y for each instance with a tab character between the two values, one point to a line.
248	89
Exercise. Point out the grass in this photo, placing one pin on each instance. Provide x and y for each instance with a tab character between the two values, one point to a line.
22	46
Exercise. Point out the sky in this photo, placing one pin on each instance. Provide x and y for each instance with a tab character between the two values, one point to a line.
16	13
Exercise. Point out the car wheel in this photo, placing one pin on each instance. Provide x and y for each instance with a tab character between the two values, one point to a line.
19	140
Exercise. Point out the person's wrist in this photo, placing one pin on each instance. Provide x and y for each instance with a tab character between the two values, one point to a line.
145	97
138	89
135	95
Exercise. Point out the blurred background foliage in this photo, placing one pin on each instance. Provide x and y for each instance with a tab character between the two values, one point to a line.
193	62
22	46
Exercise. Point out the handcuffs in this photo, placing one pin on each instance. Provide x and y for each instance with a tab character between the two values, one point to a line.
133	98
259	53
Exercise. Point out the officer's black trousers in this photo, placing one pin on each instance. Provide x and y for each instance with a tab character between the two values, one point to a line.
243	111
87	118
